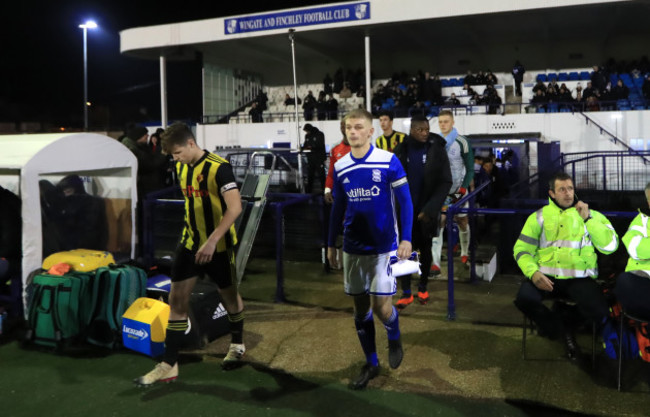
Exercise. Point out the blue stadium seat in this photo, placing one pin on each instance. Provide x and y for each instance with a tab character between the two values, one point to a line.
551	75
636	101
542	78
574	76
585	75
622	103
638	82
445	82
563	76
625	108
434	111
639	107
565	110
552	108
613	78
541	110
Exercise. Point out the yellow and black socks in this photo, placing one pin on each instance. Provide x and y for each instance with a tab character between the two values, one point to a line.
236	327
174	337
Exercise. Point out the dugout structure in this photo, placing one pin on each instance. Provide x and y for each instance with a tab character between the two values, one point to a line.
108	170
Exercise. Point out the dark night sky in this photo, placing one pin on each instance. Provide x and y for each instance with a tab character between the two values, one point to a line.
41	69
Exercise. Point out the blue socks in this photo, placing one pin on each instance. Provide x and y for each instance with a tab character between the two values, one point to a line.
392	325
366	333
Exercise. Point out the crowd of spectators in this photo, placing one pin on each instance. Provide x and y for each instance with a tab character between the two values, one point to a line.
610	87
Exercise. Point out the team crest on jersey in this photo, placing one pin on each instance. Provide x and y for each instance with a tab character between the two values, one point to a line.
376	175
199	178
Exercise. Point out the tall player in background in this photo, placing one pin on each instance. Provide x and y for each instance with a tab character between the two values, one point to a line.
367	181
461	162
212	204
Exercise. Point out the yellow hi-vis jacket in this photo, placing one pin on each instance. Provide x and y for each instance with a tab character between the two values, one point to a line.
637	243
559	244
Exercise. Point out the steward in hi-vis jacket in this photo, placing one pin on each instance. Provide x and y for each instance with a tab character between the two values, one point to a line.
556	251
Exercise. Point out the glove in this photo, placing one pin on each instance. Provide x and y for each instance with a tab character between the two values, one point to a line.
459	194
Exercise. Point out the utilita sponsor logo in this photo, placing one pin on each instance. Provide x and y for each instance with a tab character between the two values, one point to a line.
139	333
362	192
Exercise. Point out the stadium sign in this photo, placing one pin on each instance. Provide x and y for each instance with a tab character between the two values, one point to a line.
291	19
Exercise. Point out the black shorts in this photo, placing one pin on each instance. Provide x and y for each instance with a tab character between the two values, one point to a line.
221	269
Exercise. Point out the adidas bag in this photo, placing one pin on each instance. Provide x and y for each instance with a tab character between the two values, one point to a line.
208	318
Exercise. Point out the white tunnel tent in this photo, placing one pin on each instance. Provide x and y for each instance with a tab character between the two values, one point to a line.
108	170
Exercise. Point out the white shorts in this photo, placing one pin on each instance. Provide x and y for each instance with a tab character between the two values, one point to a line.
368	274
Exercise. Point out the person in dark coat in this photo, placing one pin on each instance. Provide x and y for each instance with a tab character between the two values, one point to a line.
315	144
424	158
518	75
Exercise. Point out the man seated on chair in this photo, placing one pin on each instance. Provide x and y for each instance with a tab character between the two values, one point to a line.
633	285
555	251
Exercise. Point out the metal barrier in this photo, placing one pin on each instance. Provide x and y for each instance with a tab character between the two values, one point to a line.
278	210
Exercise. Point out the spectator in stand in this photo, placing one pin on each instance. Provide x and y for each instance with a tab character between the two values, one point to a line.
518	75
589	91
598	79
262	99
479	79
620	92
327	84
321	106
290	101
418	108
338	81
539	100
553	84
469	78
490	79
452	100
494	102
361	92
539	86
592	103
345	91
469	91
646	87
564	95
551	95
255	113
308	105
332	108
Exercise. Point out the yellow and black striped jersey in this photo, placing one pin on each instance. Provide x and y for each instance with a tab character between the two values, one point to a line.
203	185
389	143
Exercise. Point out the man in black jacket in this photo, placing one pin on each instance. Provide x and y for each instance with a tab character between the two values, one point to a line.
425	161
315	144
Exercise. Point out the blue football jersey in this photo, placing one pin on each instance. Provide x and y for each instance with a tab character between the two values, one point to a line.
367	184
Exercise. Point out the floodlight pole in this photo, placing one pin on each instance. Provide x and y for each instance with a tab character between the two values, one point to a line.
85	29
88	25
301	185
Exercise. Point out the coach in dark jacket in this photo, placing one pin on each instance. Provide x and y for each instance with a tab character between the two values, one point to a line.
425	161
